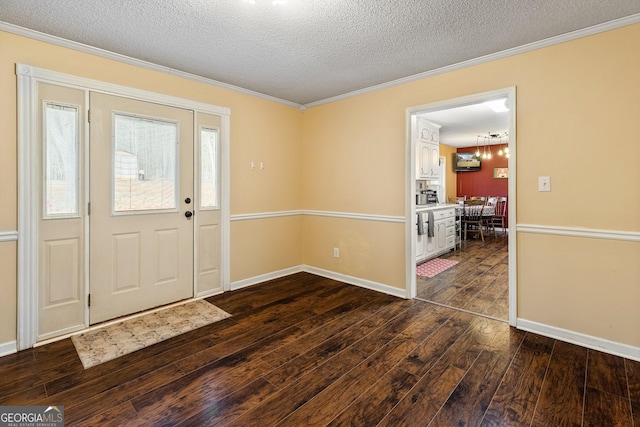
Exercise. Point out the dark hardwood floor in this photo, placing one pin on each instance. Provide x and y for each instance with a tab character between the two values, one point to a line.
305	350
479	283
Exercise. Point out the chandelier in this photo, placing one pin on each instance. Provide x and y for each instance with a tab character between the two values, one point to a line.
487	141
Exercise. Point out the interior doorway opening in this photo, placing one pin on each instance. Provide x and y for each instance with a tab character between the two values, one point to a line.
466	285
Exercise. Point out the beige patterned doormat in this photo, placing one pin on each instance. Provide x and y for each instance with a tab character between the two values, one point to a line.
104	344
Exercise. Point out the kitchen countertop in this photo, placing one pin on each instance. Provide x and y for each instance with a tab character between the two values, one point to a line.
424	208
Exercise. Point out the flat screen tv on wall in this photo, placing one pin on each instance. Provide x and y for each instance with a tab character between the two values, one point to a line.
464	162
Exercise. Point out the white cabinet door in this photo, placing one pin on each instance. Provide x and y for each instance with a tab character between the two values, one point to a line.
424	161
428	150
434	160
441	235
431	246
420	246
428	160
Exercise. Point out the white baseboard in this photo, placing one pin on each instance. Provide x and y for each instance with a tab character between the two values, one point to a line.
583	340
8	348
363	283
234	286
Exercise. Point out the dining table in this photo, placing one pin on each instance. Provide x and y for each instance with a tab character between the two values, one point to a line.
487	211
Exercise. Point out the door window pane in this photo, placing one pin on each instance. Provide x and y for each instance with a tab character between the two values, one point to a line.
60	161
208	168
144	164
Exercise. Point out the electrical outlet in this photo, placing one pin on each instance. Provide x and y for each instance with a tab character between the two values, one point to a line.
336	253
544	183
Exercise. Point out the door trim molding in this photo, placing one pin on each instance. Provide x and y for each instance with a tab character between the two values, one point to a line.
27	79
27	230
55	77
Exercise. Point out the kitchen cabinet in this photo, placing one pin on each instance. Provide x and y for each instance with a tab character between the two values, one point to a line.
428	150
444	231
421	245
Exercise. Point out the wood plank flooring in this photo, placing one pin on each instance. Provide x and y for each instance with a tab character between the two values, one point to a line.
479	283
305	350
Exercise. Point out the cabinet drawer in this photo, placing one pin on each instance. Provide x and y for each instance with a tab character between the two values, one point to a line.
451	231
451	222
451	241
450	213
439	215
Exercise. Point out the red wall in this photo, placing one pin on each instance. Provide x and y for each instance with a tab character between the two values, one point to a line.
482	182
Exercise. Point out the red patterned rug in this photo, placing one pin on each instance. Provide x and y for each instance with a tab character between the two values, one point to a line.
434	267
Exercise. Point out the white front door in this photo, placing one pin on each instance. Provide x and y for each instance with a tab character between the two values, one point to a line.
141	206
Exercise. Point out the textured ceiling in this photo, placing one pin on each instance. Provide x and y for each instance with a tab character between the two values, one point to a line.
309	50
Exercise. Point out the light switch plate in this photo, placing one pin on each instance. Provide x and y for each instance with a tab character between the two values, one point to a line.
544	183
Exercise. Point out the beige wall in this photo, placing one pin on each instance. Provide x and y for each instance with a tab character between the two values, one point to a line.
366	248
577	108
577	120
265	245
261	130
451	176
8	291
590	286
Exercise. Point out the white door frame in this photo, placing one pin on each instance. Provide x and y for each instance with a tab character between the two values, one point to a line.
410	208
28	163
442	171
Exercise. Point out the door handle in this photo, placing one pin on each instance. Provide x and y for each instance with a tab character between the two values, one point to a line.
188	214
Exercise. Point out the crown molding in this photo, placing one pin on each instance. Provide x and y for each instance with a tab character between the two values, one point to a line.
573	35
59	41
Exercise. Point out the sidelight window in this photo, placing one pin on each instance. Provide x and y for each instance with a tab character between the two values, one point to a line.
60	161
209	176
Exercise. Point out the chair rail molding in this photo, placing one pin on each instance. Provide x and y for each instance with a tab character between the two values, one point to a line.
332	214
591	233
8	236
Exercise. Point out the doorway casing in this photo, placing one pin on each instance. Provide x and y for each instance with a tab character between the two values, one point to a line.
410	208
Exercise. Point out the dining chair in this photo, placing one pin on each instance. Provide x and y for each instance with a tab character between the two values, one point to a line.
472	217
499	215
487	217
